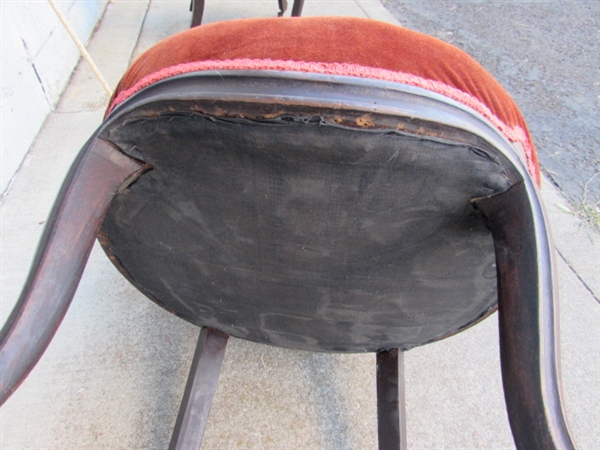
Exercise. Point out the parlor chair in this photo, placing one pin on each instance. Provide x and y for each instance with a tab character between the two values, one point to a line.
197	9
358	188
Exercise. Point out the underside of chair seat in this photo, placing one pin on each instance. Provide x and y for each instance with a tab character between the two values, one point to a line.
301	231
334	45
322	229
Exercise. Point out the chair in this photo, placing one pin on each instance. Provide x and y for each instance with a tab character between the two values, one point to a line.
373	194
197	9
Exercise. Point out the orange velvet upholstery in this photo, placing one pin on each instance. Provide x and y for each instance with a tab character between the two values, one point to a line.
341	45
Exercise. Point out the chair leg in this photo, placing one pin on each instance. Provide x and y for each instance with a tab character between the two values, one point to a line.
199	391
282	7
197	9
391	409
98	172
528	320
297	8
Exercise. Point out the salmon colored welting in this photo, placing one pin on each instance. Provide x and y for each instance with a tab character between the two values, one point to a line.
334	45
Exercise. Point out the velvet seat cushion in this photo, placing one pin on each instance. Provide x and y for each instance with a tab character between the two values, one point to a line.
334	45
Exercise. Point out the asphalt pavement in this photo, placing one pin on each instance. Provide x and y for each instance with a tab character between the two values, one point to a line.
547	55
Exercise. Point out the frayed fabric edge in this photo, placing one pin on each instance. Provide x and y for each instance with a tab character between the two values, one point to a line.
513	134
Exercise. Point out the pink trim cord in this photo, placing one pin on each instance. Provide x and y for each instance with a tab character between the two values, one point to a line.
513	134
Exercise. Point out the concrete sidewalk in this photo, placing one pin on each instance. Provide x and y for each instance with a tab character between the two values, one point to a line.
115	372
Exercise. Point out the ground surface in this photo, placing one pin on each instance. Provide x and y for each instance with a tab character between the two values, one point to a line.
546	54
114	374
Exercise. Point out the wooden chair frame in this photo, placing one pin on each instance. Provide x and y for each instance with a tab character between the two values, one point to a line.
197	9
524	254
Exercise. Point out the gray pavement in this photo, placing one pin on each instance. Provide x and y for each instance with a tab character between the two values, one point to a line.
546	54
114	374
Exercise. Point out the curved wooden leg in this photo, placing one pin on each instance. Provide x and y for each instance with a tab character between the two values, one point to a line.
391	410
527	314
297	8
74	222
199	391
282	7
197	9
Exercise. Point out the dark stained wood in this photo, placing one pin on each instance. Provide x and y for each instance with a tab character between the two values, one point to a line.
297	8
199	391
391	400
282	7
197	8
61	256
527	314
